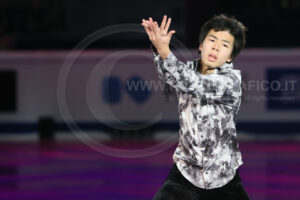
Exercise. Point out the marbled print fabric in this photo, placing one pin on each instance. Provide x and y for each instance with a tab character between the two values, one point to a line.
207	153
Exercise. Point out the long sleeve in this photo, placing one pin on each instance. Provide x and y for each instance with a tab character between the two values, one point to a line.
224	87
158	62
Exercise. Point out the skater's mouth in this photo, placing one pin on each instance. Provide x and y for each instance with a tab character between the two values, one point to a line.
212	57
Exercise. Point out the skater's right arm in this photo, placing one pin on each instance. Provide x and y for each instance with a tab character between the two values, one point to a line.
160	39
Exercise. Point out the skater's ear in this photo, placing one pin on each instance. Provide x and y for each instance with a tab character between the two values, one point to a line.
200	49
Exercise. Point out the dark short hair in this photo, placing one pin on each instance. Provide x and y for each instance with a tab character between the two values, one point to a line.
223	22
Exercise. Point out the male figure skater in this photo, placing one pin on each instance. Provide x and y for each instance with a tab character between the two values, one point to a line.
208	89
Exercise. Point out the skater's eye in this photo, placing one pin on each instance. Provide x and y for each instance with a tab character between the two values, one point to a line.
225	45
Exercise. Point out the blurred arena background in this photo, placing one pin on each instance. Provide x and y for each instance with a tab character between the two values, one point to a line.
83	114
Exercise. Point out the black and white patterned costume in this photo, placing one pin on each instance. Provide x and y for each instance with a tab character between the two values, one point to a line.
207	153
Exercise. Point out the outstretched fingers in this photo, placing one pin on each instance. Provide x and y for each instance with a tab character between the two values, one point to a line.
171	33
168	25
146	26
154	31
156	28
163	22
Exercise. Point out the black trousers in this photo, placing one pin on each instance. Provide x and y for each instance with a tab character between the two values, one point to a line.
177	187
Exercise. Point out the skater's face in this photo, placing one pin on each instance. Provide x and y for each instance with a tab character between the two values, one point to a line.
216	48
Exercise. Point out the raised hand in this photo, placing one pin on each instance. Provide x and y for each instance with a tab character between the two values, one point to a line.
159	36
